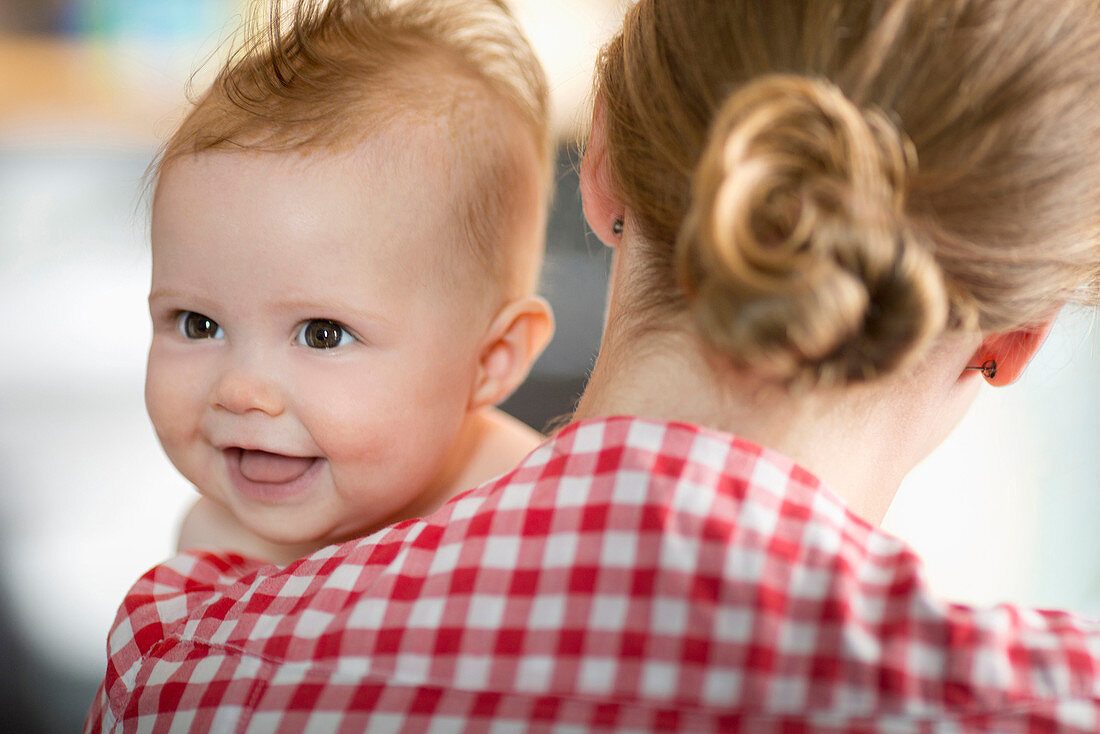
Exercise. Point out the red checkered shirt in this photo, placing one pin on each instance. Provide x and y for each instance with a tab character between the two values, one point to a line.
629	575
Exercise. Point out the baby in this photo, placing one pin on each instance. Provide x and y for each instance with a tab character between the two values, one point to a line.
347	230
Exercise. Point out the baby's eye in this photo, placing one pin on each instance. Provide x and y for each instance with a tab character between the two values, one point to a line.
324	334
196	326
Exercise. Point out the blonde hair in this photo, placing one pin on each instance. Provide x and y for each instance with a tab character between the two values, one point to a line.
829	185
316	75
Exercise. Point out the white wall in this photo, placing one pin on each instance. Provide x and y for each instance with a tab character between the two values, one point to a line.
87	501
1008	508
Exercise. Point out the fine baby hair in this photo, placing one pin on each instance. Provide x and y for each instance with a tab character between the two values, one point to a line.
826	204
321	75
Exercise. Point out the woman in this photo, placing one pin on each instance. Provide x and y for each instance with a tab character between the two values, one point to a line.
831	220
822	207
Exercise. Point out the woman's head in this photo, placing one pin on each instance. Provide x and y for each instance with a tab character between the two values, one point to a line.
827	186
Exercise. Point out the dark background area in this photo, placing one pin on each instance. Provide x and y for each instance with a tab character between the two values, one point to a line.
574	280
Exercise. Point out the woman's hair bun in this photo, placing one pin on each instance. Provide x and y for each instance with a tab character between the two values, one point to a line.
796	255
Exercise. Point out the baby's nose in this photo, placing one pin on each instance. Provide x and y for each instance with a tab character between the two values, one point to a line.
240	390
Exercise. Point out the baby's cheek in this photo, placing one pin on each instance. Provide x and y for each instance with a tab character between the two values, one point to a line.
386	449
393	422
169	393
354	432
159	400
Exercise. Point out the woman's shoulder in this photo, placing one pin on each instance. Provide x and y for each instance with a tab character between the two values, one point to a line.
663	547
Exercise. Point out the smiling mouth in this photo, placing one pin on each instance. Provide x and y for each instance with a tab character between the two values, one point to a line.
267	477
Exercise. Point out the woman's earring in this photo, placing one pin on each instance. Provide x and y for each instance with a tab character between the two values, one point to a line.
617	227
988	368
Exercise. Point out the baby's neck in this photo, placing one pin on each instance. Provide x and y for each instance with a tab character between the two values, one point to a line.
489	443
495	443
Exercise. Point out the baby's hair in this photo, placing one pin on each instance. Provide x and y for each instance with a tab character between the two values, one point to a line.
323	75
826	186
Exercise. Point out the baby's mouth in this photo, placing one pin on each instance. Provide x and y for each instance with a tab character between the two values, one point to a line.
261	466
266	477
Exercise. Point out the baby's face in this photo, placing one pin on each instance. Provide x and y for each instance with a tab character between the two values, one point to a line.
307	369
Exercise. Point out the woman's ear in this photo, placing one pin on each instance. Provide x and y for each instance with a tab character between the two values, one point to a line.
515	339
1012	351
603	205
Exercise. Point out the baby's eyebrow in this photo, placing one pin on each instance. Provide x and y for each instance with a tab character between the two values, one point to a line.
162	293
334	309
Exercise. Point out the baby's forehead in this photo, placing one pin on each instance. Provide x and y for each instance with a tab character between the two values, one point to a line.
460	172
425	116
480	151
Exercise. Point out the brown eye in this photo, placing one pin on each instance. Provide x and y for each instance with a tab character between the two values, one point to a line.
196	326
323	334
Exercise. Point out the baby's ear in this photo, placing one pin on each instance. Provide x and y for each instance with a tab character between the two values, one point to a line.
515	339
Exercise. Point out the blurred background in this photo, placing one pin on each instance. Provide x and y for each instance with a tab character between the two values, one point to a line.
1006	510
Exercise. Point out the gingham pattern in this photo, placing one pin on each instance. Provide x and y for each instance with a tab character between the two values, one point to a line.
629	576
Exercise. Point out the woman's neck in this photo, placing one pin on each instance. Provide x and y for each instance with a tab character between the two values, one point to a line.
848	438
